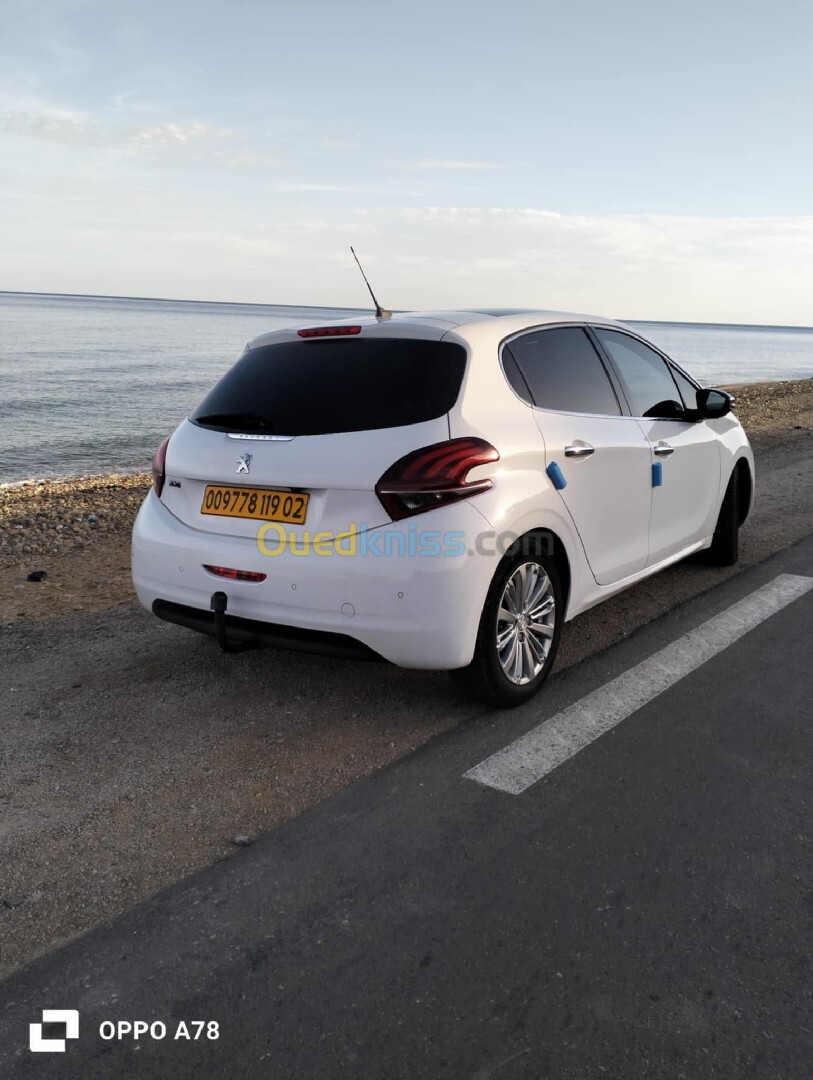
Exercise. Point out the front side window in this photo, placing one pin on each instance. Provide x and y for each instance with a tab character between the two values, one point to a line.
559	369
688	391
644	374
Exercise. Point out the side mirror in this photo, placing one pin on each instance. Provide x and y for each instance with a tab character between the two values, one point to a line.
712	404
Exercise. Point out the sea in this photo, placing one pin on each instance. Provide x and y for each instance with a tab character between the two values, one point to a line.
92	384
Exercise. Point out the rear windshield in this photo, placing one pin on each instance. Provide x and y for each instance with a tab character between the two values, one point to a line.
323	387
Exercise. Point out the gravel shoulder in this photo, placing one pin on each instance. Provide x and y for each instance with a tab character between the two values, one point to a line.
78	532
133	752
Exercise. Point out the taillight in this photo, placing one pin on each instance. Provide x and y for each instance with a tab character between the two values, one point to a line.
159	463
434	476
329	331
234	575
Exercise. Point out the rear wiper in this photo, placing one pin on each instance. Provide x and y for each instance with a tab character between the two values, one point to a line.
243	420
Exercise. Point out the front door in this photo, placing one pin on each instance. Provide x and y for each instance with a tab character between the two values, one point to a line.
685	452
685	501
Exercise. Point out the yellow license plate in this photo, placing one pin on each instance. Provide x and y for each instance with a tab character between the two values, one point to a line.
258	504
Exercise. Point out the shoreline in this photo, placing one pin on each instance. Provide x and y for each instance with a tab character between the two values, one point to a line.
749	397
12	486
77	529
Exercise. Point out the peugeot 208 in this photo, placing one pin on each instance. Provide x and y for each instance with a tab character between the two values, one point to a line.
441	490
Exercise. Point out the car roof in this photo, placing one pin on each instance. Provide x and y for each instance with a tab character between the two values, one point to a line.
535	317
512	320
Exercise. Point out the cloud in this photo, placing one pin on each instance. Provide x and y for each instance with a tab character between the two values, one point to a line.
197	141
307	186
238	157
649	265
76	129
70	225
129	101
337	144
447	166
167	134
57	125
318	187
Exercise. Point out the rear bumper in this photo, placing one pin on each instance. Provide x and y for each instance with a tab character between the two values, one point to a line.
414	610
251	632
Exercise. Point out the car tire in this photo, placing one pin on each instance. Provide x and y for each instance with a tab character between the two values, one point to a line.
725	545
512	659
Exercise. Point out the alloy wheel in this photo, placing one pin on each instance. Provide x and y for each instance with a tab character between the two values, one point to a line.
526	620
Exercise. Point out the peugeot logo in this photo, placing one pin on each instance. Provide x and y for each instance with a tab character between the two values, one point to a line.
244	463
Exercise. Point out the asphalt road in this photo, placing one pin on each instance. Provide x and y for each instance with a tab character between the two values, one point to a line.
133	752
645	910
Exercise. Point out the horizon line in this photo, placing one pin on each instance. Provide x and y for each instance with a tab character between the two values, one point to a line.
177	300
334	307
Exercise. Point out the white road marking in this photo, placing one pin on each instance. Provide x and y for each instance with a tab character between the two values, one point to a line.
532	756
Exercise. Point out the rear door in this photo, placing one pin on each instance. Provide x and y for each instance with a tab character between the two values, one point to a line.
307	427
685	453
601	455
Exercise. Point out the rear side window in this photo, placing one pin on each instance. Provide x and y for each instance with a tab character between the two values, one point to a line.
325	387
560	369
647	381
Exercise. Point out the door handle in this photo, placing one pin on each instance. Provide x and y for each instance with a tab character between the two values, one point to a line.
579	449
663	449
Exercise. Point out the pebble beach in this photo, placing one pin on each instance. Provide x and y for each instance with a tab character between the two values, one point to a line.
77	530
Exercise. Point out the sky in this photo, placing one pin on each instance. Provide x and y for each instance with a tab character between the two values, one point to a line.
635	159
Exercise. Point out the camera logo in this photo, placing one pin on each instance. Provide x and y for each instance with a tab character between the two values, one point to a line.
68	1017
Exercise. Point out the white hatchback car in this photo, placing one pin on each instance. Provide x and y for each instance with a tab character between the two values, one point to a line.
441	490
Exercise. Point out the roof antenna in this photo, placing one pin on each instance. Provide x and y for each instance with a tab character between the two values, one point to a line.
380	312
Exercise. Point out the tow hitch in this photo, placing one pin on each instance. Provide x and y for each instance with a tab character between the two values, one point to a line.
218	604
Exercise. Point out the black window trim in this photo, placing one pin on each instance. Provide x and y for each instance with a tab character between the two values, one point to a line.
610	372
670	364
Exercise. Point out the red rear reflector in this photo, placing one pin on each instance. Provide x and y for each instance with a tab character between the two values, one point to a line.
234	575
329	331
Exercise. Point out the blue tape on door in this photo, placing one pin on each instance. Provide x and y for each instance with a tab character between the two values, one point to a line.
557	476
657	474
